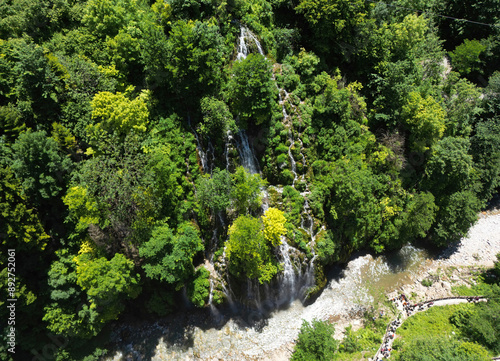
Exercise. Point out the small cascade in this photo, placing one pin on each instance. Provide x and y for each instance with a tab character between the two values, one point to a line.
253	293
214	244
265	199
210	294
213	310
292	160
282	102
310	279
211	151
287	286
247	157
229	138
242	44
228	292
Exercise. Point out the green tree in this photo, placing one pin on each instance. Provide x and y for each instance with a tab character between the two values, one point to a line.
315	342
169	257
214	191
116	113
66	298
248	252
333	23
425	120
418	216
198	290
463	106
465	57
246	191
497	265
450	168
88	291
457	213
194	60
250	90
38	86
105	17
41	167
456	32
485	149
349	201
485	141
217	119
106	283
326	248
117	195
19	224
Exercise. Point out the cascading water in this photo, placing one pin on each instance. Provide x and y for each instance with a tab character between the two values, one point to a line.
242	45
247	157
211	151
348	290
229	138
292	160
287	285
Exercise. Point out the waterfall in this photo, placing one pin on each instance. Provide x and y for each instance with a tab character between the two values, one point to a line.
282	102
229	138
211	150
287	287
250	163
310	221
292	160
253	293
199	148
265	199
242	45
247	157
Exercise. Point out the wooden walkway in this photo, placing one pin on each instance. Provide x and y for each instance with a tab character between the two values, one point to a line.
407	310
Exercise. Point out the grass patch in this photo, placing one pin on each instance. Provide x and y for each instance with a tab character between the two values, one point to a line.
427	282
436	320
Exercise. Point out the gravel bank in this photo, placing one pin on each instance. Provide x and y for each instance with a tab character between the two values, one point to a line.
480	246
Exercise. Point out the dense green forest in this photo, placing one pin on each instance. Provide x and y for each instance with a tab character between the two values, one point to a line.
157	151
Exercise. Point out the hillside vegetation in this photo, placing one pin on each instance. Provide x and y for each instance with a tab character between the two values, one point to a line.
153	151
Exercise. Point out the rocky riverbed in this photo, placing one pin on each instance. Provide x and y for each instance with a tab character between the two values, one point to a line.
247	336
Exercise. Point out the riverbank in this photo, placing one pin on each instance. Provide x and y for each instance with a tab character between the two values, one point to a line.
362	283
455	266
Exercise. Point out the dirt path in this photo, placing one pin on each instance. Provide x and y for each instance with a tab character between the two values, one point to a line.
407	310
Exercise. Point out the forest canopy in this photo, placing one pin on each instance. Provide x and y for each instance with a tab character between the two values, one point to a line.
153	152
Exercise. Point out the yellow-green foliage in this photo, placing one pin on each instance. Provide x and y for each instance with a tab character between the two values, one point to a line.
248	252
116	112
425	119
106	282
406	35
82	207
63	136
274	225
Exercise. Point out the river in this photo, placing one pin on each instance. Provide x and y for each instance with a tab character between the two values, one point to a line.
232	334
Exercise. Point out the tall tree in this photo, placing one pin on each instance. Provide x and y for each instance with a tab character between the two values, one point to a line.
250	90
169	257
